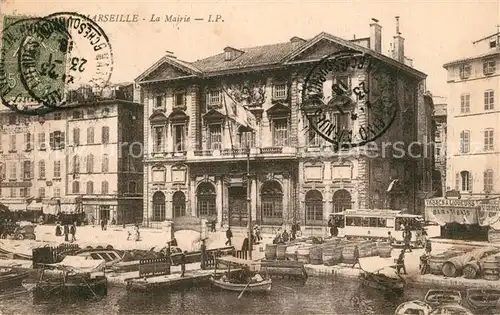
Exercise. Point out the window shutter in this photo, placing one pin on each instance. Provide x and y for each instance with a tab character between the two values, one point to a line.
485	181
62	140
22	170
470	181
457	181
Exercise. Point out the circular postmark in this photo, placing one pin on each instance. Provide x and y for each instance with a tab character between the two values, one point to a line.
53	66
13	93
338	102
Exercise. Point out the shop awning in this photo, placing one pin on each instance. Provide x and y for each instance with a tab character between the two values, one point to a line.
443	211
489	214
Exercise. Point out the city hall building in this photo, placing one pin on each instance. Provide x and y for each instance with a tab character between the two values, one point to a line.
197	149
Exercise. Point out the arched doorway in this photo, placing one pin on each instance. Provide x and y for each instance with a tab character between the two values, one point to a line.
314	207
271	199
159	206
341	200
205	196
238	214
179	204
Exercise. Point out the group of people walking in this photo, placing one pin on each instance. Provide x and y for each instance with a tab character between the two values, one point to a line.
68	230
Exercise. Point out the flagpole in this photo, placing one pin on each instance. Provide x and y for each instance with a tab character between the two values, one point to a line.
228	124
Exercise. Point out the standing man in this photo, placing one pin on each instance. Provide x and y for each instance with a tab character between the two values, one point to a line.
183	263
407	239
356	257
229	236
401	262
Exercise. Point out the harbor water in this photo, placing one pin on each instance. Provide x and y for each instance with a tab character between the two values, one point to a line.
316	296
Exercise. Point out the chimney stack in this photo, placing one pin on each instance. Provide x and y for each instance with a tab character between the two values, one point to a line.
296	42
375	36
398	51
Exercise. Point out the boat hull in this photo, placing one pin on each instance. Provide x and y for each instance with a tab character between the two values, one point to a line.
72	287
438	297
413	307
451	309
264	286
382	283
479	298
12	279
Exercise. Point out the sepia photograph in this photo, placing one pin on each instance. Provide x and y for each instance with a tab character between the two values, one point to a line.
249	157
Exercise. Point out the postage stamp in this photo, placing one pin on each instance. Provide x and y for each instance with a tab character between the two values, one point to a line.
51	57
336	102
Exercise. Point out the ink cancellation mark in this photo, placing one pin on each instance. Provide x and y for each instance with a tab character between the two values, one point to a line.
13	93
332	118
55	66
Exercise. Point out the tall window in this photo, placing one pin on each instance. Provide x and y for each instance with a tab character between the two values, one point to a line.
41	192
206	200
341	200
489	67
90	135
465	181
56	140
215	137
489	100
179	99
179	204
105	134
41	140
158	101
246	139
12	144
28	141
313	139
41	169
159	145
280	132
341	121
279	91
13	171
90	188
178	138
104	188
464	103
76	164
76	187
271	202
488	140
105	163
132	187
57	192
26	171
90	163
76	136
465	71
158	206
488	181
314	207
57	169
464	141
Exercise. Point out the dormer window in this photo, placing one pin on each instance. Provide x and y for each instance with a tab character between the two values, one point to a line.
489	67
158	101
214	97
493	42
228	55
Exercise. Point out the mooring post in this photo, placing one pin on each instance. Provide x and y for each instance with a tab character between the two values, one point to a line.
203	255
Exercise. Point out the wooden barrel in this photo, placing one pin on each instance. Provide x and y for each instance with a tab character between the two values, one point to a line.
436	264
453	267
384	249
270	251
280	252
348	253
332	255
291	252
490	269
303	253
471	270
316	255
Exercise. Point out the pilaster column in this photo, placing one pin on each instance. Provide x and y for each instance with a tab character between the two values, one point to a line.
192	196
294	107
169	206
253	196
363	163
219	198
194	122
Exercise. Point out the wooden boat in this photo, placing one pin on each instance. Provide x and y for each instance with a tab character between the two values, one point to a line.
109	255
437	297
382	282
483	298
79	277
246	279
10	278
451	309
413	307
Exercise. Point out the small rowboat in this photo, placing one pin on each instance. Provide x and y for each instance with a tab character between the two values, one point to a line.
382	282
483	298
263	286
437	297
451	309
413	307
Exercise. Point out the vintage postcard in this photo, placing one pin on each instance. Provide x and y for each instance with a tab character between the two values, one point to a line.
249	157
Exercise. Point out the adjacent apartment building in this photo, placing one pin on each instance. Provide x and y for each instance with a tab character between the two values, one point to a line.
473	121
195	160
440	144
84	159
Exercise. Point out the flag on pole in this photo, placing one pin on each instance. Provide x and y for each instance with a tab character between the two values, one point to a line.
237	112
391	185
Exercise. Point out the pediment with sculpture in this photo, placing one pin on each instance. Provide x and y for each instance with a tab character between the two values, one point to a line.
247	93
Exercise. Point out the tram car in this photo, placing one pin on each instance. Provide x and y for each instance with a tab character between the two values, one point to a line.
376	224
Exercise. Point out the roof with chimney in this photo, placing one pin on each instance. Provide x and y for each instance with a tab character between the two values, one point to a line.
480	56
278	55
